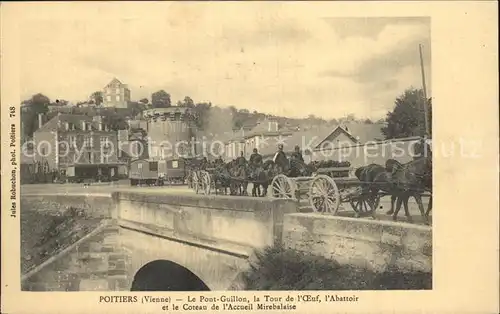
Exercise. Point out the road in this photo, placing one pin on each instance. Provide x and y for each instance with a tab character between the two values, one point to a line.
108	188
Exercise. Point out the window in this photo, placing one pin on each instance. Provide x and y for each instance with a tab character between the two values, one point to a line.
117	97
153	166
175	164
90	158
108	98
104	141
117	90
87	142
72	141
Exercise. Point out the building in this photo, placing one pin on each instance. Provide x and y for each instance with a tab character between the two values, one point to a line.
116	94
83	143
257	137
170	132
323	138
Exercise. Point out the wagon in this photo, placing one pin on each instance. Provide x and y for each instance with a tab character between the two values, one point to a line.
205	182
144	171
172	171
325	190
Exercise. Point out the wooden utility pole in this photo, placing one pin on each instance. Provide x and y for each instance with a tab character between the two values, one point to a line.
425	104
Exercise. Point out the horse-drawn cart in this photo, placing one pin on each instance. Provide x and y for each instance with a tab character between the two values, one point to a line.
325	190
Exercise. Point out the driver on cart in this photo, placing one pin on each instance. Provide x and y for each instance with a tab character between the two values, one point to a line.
280	159
297	155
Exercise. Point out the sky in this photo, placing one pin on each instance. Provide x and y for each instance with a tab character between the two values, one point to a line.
267	57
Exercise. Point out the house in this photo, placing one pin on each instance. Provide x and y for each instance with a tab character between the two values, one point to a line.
350	134
257	137
325	137
83	143
116	94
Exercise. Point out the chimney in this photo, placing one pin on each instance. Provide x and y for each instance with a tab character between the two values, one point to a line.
40	120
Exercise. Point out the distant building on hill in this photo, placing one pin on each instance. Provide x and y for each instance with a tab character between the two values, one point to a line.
116	94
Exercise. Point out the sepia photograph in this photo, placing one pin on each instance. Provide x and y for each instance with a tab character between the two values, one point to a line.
179	148
264	156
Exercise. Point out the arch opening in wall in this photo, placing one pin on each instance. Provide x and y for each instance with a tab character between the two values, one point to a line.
163	275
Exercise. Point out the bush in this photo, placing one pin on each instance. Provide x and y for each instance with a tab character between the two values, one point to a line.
277	268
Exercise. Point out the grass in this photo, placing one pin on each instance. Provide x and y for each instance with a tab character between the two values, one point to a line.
46	233
277	268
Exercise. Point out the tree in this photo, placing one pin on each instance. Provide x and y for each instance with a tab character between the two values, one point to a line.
202	115
368	121
188	102
37	104
97	97
407	118
136	108
161	99
144	101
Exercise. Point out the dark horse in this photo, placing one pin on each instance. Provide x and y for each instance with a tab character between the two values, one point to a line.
377	178
239	179
374	178
410	179
222	178
262	177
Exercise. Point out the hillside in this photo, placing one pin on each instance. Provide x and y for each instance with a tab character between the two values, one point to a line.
210	119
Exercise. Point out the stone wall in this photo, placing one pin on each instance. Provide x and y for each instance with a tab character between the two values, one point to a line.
371	244
94	205
95	263
236	223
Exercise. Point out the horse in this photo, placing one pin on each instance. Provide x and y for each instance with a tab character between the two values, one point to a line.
377	178
262	177
239	179
373	179
222	177
411	179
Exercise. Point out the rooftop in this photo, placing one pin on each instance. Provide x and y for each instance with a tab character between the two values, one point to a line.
57	122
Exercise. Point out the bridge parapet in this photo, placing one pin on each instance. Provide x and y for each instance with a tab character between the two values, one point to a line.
241	224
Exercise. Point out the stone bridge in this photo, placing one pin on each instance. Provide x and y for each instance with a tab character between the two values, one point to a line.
194	242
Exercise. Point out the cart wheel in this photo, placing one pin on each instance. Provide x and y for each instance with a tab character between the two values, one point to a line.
365	204
205	182
283	187
324	194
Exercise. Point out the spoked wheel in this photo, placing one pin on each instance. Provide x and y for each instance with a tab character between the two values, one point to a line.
283	187
324	195
365	205
206	182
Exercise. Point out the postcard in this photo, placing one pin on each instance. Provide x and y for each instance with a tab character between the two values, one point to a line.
290	157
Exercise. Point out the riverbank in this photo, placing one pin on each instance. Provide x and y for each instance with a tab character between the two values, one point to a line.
48	232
